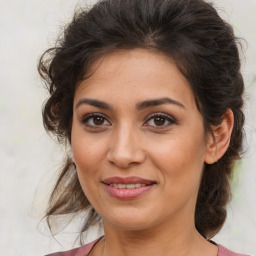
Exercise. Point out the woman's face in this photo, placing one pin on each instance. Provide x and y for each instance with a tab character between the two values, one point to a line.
138	141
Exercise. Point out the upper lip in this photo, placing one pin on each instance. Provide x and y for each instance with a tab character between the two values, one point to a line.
127	180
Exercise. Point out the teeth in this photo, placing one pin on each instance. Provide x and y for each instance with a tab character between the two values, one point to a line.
127	186
120	185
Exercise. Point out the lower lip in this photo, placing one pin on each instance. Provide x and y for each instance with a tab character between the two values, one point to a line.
128	193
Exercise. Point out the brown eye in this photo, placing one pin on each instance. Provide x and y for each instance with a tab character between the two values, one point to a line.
159	121
98	120
95	121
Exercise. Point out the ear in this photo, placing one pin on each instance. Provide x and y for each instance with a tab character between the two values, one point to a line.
218	141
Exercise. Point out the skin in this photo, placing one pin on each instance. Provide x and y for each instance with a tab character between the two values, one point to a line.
127	141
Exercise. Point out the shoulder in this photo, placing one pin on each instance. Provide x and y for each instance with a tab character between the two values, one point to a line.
226	252
81	251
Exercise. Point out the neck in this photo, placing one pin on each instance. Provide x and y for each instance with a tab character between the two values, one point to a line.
161	241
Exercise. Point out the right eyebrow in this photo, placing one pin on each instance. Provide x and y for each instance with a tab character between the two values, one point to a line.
93	102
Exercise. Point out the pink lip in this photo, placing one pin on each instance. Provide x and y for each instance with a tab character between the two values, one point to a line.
127	180
128	193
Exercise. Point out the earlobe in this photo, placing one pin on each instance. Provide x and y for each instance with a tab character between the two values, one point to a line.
219	139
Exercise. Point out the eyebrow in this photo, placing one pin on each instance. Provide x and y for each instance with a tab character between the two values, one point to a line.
140	106
95	103
156	102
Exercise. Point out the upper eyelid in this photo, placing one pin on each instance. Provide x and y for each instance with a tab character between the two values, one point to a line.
91	115
169	118
147	118
160	114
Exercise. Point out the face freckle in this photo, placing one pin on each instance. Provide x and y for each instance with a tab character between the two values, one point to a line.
136	117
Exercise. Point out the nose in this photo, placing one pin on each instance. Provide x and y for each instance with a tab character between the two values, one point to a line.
126	148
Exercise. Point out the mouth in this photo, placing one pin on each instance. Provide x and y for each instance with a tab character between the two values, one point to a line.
127	188
131	180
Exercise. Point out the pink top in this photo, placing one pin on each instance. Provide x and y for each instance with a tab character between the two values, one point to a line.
85	250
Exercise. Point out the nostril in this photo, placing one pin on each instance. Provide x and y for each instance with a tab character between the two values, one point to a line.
125	158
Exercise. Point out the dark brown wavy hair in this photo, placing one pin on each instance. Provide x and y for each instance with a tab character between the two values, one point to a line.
204	49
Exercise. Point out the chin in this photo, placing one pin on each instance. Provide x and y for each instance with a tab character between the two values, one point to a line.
130	220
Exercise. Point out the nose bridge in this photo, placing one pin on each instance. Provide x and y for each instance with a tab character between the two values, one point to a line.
125	147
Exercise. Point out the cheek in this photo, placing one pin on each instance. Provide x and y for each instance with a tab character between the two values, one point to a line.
180	161
88	155
87	159
87	149
84	154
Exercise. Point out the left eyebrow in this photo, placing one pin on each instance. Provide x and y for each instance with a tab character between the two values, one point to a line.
156	102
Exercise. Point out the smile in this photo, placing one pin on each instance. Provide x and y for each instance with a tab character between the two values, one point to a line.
127	186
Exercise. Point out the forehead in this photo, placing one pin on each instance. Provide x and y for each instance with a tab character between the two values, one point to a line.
143	62
137	74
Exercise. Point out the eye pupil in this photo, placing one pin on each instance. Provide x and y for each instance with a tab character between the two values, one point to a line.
159	121
98	120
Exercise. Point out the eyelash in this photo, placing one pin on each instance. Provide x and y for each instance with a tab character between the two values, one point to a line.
165	117
91	116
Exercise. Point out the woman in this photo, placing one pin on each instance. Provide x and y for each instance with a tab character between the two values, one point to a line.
148	95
